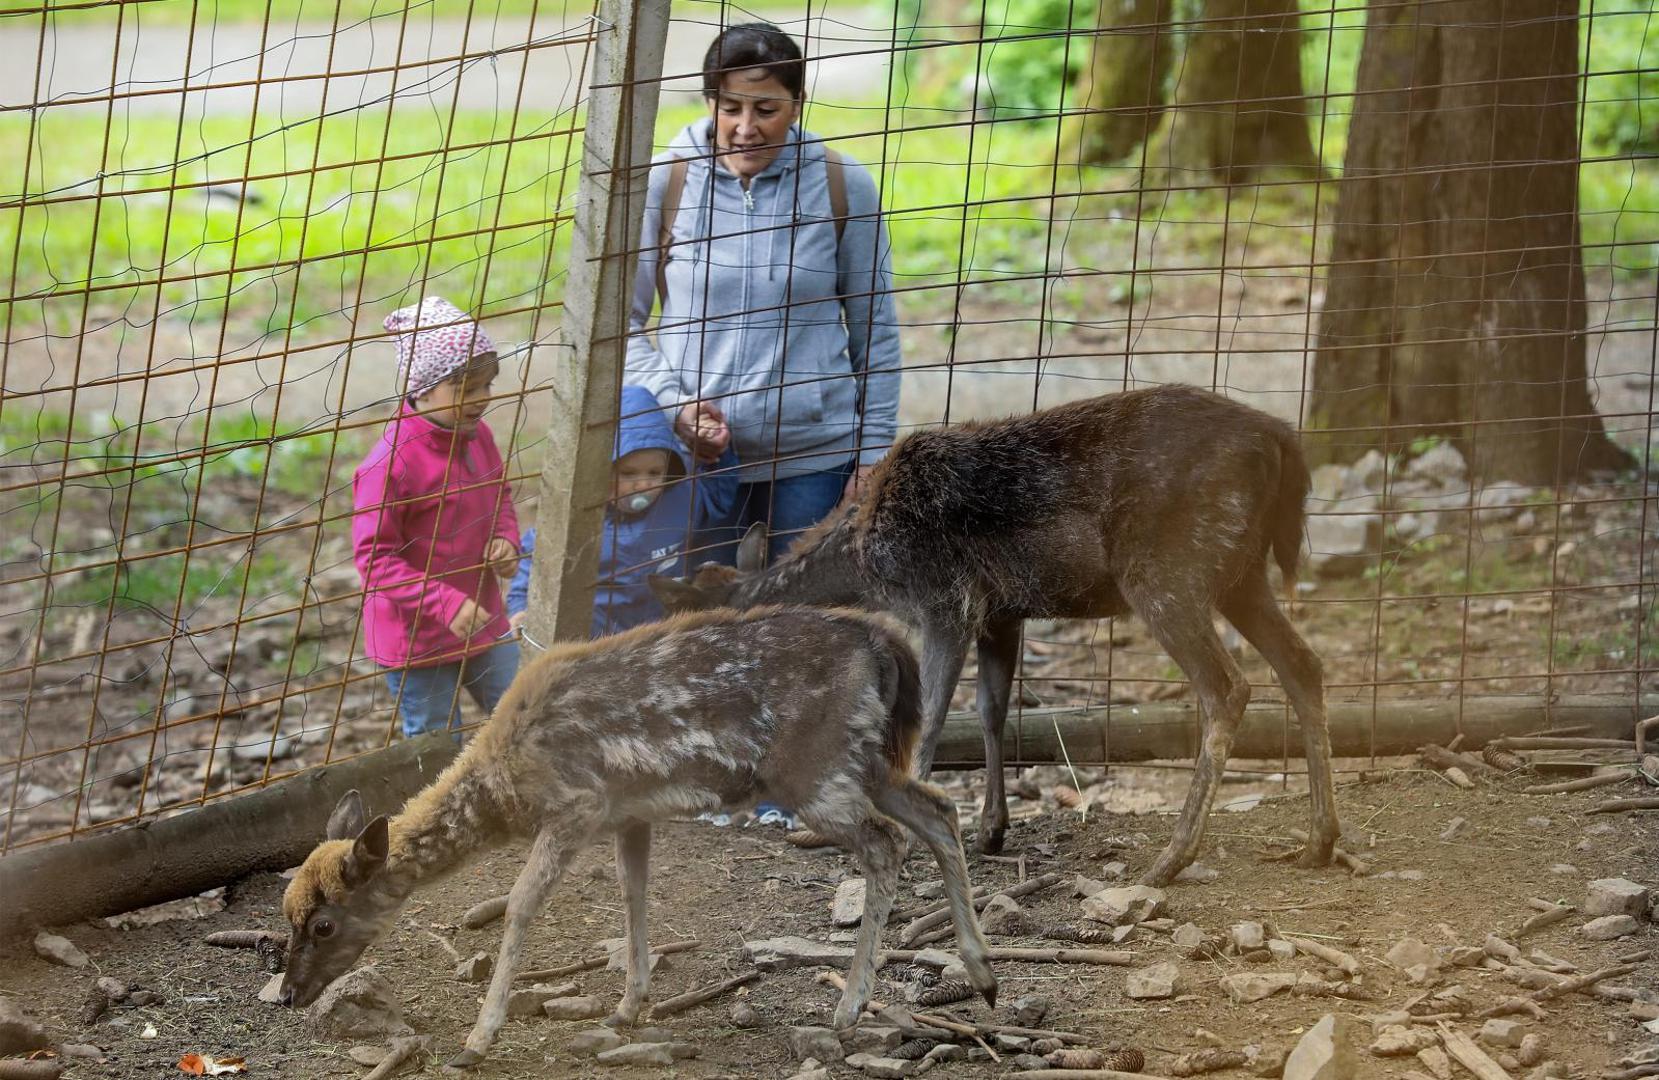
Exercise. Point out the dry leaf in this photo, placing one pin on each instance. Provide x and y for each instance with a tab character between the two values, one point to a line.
197	1065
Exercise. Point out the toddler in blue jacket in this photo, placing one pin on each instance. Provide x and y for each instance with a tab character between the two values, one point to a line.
647	519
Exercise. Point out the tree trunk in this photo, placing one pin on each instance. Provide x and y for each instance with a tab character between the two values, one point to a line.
1455	301
1240	111
1123	87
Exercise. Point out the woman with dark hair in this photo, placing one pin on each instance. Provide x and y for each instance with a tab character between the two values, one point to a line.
776	334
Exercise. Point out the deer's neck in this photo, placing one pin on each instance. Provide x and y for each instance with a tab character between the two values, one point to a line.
825	574
442	828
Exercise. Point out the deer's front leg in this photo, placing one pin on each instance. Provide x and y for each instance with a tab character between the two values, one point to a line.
548	856
633	865
998	656
943	651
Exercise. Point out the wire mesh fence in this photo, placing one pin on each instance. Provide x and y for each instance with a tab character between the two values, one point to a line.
1431	243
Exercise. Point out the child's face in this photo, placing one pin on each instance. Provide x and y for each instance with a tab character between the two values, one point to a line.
459	402
637	479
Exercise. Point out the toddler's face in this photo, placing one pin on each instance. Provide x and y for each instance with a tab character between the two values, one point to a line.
637	479
460	403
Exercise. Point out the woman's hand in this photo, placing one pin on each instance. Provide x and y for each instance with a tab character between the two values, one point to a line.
857	481
502	555
468	621
702	427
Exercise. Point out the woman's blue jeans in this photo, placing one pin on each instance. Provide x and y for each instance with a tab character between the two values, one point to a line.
789	506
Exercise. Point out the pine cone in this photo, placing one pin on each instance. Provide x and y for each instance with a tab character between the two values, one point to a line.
948	992
912	1049
1506	760
273	954
1211	1060
1083	935
1119	1060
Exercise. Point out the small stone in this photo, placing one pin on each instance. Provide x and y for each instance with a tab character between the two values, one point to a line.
1030	1010
139	999
1268	1062
80	1052
1403	1041
877	1039
59	950
368	1056
1564	869
475	969
1247	936
1188	936
1531	1050
1002	916
1013	1044
1540	822
1085	887
360	1004
1126	904
930	890
638	1054
1157	981
812	1074
1436	1062
1253	986
113	989
1281	950
1326	1052
847	909
20	1033
271	992
1415	959
1026	1062
1197	874
1504	1032
1412	875
596	1041
945	1052
651	1034
1454	828
574	1008
522	1003
815	1042
1615	896
883	1068
786	953
744	1016
1609	927
1114	870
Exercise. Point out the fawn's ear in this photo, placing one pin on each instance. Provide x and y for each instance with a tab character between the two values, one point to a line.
751	553
676	595
368	852
348	818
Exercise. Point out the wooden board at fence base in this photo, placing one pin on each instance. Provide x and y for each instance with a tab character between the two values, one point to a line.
1163	730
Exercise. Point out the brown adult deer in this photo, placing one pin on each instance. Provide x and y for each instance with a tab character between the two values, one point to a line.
1162	502
815	709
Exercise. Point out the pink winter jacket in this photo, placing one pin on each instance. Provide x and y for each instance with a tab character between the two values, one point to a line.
421	525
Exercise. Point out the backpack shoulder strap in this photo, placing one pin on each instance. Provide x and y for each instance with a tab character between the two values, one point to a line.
665	226
837	177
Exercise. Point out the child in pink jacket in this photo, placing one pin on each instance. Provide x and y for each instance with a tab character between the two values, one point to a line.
434	525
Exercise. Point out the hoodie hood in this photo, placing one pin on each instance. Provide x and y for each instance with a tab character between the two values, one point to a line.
644	426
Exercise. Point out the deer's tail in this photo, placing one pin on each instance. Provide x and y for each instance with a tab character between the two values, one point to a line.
902	688
1289	513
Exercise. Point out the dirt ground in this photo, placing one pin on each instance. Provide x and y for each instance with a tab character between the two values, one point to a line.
727	885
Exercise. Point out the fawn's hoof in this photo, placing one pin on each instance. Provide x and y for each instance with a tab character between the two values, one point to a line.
620	1019
1312	857
466	1059
989	841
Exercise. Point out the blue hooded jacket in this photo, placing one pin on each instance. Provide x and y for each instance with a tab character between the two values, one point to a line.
635	546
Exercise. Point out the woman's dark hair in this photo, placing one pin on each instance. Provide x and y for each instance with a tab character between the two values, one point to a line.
754	45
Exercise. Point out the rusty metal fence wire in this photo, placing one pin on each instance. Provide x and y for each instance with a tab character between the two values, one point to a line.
207	209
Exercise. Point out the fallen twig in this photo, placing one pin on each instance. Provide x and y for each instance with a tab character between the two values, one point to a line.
1085	1074
1548	915
484	913
692	998
1441	758
1334	957
1510	1006
940	913
1642	728
1581	784
1579	982
1553	742
1354	863
20	1069
918	910
593	963
1619	806
405	1048
240	939
1635	1072
1470	1056
958	1027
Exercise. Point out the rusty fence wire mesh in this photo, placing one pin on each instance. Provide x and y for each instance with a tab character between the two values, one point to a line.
1431	242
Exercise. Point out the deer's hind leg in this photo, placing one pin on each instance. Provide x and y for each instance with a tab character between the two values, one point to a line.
633	868
1251	608
1182	626
550	853
929	813
998	656
878	845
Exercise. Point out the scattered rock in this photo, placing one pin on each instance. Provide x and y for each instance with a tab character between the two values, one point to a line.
80	1052
1030	1010
638	1054
1454	828
1539	821
20	1033
1531	1050
877	1039
1615	896
1396	1041
360	1004
884	1068
1436	1062
113	989
1609	927
1415	959
1002	916
1269	1062
815	1042
596	1041
1189	936
1440	465
522	1003
1247	936
1126	904
367	1055
476	968
271	992
1252	986
1085	887
785	953
1501	501
930	890
1197	874
1505	1032
1326	1052
847	909
59	950
1281	950
616	950
946	1052
744	1016
1564	869
574	1008
1157	981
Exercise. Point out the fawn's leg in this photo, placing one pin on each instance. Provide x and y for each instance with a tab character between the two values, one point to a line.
1182	626
929	813
633	866
1251	607
943	651
549	854
879	846
999	655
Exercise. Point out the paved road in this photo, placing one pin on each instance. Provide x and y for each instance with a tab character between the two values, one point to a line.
82	61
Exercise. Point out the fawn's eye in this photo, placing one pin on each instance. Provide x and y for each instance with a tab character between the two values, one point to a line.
322	928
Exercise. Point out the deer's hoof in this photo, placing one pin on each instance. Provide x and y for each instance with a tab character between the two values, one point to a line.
845	1019
989	841
1313	857
466	1059
621	1019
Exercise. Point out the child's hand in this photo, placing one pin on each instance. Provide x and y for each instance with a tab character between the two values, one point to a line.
470	620
502	557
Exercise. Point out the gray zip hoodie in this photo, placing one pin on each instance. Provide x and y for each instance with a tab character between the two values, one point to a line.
792	335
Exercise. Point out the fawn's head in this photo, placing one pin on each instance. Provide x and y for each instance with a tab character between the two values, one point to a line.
712	585
337	904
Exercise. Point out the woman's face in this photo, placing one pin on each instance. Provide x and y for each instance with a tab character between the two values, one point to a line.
752	115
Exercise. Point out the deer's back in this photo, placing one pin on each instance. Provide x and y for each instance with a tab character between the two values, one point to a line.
1042	514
